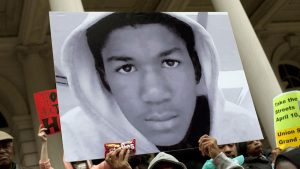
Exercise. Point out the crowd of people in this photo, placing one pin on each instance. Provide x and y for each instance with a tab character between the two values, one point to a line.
246	155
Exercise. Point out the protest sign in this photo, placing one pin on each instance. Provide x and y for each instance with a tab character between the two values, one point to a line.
154	77
287	119
47	107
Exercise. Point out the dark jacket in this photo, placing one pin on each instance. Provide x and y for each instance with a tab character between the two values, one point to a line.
258	162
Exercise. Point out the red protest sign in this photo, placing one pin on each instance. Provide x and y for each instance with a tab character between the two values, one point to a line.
47	107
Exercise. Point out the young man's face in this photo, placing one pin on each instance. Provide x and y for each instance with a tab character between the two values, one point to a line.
152	78
254	148
229	150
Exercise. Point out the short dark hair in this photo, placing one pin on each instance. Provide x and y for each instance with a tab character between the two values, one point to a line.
98	33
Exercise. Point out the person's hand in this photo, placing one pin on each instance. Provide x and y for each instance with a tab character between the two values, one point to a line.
42	133
274	153
208	146
118	159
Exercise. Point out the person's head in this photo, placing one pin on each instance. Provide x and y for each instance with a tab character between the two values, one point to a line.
99	33
165	161
254	148
229	150
80	165
289	159
6	149
147	61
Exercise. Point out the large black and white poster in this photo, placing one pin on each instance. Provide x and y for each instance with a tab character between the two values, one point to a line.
164	79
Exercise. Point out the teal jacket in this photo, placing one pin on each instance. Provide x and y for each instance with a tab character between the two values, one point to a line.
222	160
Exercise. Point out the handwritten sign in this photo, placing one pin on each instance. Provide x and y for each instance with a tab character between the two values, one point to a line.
47	107
287	119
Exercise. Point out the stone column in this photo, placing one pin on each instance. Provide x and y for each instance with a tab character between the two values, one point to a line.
35	62
35	73
66	5
260	76
25	141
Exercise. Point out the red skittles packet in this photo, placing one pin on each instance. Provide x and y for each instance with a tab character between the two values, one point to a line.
47	107
114	146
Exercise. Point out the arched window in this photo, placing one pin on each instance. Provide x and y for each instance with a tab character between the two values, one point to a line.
286	63
290	74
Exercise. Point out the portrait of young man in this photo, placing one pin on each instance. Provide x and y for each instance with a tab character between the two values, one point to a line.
152	77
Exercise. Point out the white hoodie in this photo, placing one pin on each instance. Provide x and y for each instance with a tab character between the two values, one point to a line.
98	119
